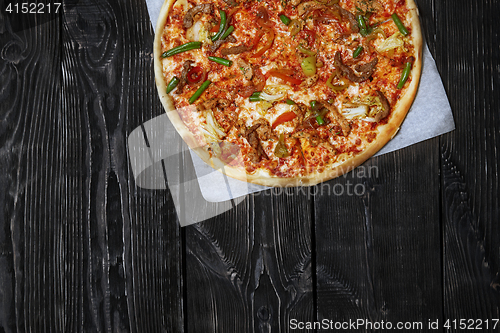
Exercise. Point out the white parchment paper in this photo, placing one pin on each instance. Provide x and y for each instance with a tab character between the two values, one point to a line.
429	116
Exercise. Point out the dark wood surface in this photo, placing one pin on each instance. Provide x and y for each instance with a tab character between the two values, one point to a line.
83	249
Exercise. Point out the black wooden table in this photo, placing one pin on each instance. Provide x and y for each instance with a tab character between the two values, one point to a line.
83	249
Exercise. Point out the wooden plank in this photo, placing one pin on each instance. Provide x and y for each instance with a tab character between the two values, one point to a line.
378	247
132	249
468	58
33	184
378	254
249	269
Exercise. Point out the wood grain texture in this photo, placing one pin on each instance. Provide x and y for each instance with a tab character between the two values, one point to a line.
249	269
83	249
469	157
378	248
131	240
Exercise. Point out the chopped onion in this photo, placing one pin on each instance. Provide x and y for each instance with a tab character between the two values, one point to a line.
209	137
395	41
271	98
212	130
355	112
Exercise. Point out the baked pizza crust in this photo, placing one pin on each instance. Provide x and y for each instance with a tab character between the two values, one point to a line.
385	132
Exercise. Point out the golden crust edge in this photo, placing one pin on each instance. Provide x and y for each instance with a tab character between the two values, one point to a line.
386	132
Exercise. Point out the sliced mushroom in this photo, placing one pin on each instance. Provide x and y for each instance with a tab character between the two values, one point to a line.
245	68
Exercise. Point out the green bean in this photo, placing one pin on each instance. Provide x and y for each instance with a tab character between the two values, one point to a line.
320	120
172	84
404	75
221	61
200	91
181	48
285	19
289	102
399	24
281	151
227	33
357	52
363	29
313	103
222	26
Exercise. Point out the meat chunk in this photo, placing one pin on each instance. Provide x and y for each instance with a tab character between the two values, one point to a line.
183	77
259	79
245	68
300	110
366	70
385	104
235	49
257	153
349	16
189	17
339	118
264	130
247	91
229	39
311	122
369	67
240	126
208	104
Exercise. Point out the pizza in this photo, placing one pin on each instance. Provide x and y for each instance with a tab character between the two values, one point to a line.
287	92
